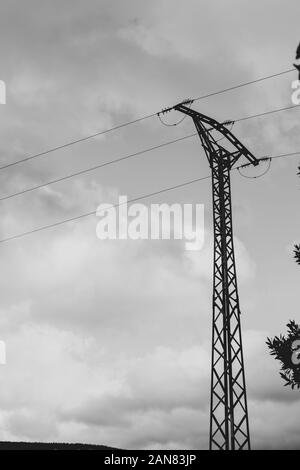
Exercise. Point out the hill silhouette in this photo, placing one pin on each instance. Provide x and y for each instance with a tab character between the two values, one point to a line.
7	445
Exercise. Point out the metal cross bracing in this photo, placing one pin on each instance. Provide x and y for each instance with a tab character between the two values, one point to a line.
229	427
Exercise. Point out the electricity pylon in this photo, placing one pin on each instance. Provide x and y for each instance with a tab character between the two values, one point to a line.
229	427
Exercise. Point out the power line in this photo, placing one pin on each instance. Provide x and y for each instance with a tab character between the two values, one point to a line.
127	157
291	154
88	214
142	118
269	157
93	168
73	142
244	84
262	159
164	190
269	160
263	114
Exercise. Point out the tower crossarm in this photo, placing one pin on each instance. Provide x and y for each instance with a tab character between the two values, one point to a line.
200	118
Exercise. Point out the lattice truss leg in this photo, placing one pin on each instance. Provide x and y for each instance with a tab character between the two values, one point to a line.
229	427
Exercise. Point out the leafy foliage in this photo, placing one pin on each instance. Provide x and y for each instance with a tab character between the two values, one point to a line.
281	348
297	247
297	253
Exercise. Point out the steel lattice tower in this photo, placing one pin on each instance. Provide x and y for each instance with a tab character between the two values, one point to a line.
229	427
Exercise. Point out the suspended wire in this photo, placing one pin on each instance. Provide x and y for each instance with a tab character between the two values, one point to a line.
291	154
269	160
266	113
96	167
263	159
127	157
171	124
73	142
130	156
142	118
286	108
176	123
244	84
88	214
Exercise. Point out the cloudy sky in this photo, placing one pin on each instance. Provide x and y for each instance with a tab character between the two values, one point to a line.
108	342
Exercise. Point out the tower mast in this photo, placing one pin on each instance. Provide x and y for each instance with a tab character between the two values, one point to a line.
229	426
